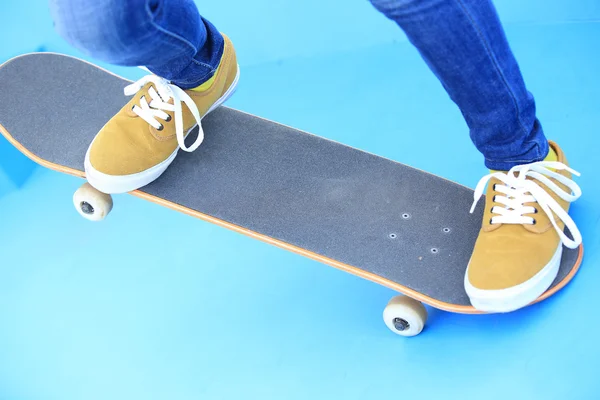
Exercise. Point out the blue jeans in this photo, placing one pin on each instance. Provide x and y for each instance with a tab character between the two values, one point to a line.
462	41
169	37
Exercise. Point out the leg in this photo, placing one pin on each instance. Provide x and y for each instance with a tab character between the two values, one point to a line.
169	37
518	250
464	44
194	70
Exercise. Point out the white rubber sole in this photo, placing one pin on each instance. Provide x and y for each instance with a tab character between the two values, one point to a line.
513	298
113	184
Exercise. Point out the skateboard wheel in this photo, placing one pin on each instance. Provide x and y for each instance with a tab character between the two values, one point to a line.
405	316
91	203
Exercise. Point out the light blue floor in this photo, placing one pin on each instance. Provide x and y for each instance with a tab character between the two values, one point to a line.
152	304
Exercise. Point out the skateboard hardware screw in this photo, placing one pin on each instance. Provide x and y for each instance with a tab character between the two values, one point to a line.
446	230
393	236
86	207
434	250
401	324
406	215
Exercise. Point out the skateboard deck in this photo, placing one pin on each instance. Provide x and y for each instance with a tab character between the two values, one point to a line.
381	220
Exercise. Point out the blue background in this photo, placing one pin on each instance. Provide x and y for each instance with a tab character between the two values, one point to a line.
152	304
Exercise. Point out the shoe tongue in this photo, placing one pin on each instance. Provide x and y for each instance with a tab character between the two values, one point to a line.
145	92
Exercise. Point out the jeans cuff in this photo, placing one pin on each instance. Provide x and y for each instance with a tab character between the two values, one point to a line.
537	153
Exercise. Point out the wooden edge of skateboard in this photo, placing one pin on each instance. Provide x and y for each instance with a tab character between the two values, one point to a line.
295	249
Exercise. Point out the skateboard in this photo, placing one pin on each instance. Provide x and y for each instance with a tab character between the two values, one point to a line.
392	224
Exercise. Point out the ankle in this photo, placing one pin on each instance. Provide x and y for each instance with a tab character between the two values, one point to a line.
208	83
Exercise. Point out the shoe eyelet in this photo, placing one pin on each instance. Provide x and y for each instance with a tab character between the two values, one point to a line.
534	222
536	211
494	187
160	128
168	118
494	199
491	223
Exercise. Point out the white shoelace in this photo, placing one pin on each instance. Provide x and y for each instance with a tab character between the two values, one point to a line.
518	190
159	103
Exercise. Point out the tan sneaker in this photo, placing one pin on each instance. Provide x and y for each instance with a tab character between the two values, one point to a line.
517	254
138	144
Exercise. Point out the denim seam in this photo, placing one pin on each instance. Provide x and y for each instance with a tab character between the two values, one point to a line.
495	63
175	36
529	160
190	81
